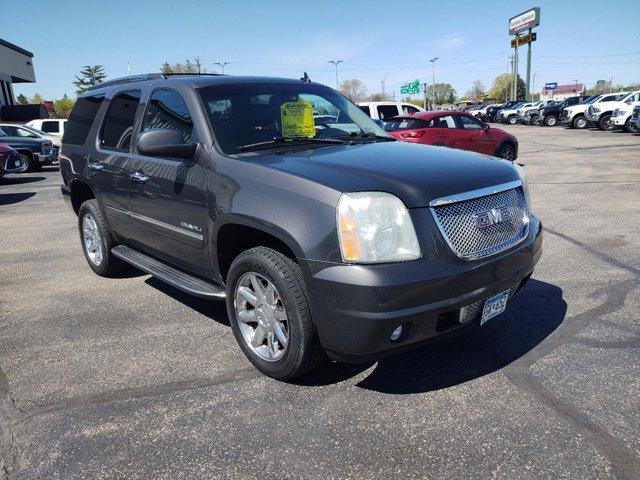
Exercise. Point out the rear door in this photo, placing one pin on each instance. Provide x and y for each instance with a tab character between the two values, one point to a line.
111	163
168	195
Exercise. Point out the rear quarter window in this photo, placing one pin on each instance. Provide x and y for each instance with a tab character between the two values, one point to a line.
81	119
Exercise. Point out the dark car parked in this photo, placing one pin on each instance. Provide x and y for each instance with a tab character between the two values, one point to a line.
9	161
33	152
549	115
326	238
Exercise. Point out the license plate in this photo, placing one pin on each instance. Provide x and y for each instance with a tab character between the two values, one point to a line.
494	306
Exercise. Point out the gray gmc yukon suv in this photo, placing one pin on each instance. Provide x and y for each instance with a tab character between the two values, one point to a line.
325	236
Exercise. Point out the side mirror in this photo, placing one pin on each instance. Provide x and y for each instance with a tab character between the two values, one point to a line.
164	142
486	126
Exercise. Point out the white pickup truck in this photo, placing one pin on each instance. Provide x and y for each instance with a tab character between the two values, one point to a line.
385	110
578	116
622	111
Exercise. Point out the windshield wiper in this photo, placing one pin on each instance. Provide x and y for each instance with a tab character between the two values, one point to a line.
293	141
373	136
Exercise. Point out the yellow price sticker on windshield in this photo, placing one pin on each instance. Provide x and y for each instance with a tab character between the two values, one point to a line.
297	119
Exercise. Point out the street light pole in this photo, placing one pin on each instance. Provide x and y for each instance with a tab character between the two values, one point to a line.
222	65
575	89
433	83
336	62
384	79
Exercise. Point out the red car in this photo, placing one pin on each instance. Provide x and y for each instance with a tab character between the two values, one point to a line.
454	130
10	161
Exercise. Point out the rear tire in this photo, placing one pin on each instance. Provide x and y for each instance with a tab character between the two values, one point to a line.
302	351
580	122
97	241
604	123
551	121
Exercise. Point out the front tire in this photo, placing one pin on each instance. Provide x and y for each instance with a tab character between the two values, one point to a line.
512	120
604	123
551	121
31	164
580	122
270	314
97	241
507	151
629	127
535	120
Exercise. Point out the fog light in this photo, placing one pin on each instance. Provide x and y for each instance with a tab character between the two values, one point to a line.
395	335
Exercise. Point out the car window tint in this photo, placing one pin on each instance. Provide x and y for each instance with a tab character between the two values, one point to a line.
167	109
408	109
81	119
387	111
117	128
10	130
50	127
633	98
446	121
365	109
469	123
404	124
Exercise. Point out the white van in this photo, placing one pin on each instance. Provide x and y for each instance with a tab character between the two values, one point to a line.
386	110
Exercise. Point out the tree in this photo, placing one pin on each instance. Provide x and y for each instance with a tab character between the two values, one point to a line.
501	88
37	99
189	66
22	100
477	91
354	90
452	98
63	106
440	93
88	77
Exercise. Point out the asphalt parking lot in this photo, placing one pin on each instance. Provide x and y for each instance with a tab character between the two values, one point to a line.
129	378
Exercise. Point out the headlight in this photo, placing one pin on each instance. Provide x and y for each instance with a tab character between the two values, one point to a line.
525	184
375	227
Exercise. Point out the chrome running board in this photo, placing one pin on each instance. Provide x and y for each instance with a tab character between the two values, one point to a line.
174	277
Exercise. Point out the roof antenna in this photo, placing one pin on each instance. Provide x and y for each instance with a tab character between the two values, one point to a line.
306	78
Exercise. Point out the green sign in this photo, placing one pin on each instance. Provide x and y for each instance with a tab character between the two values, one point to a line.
412	87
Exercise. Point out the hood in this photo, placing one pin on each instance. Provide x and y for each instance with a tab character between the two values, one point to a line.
581	107
415	173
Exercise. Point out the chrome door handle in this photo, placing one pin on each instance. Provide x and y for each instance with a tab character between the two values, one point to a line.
95	166
139	177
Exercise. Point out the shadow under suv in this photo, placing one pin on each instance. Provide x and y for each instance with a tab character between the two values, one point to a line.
325	236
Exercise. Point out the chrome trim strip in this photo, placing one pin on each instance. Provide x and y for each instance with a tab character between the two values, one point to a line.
172	228
117	210
481	192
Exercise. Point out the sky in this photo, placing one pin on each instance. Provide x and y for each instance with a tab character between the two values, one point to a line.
585	41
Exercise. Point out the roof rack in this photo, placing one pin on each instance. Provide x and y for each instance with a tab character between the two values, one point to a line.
147	76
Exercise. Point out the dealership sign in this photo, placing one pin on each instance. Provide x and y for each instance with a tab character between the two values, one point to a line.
524	21
551	86
412	87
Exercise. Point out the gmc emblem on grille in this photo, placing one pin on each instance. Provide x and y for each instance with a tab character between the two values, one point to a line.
492	217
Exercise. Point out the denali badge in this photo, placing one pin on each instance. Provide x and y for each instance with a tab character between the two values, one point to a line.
492	217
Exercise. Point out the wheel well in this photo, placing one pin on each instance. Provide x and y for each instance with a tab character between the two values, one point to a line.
80	193
233	239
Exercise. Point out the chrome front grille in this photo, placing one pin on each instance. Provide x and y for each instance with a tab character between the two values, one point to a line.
478	227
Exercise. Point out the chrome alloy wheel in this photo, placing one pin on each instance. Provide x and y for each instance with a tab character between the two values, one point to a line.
91	239
261	316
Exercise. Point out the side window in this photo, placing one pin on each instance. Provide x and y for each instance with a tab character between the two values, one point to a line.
468	123
365	109
11	131
117	127
167	109
633	98
443	122
608	98
81	119
409	110
50	126
387	111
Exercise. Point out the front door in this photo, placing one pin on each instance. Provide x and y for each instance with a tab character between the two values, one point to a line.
473	136
111	163
168	195
442	131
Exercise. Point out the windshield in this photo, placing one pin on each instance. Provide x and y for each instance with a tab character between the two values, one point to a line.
2	134
250	114
35	130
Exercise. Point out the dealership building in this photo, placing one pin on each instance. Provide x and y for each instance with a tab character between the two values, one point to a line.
562	91
16	66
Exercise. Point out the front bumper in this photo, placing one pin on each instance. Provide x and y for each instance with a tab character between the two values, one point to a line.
619	121
356	307
47	158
